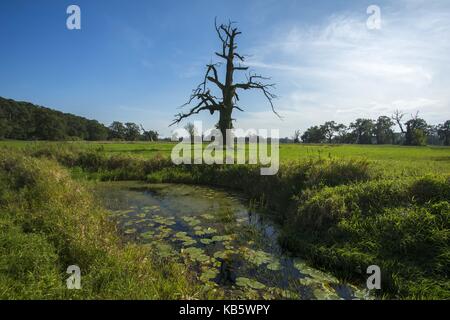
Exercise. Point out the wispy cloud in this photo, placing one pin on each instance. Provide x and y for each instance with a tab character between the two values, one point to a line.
339	69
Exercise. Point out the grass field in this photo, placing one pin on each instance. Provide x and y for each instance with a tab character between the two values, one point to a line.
394	160
341	207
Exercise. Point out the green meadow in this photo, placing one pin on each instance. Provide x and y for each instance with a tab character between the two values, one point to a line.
392	160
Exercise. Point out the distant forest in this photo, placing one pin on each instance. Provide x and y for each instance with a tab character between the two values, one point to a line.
413	132
26	121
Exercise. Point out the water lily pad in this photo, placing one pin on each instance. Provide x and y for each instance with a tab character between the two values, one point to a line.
256	257
209	230
204	231
325	292
209	275
128	223
189	242
140	221
206	241
150	208
130	231
274	266
250	283
164	232
307	281
191	221
223	254
196	254
181	234
222	238
148	235
163	220
301	266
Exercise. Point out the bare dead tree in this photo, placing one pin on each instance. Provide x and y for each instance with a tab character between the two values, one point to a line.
415	116
203	97
398	117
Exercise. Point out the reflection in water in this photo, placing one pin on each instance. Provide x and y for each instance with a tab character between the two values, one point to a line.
230	245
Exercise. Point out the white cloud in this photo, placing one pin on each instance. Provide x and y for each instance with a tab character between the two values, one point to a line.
340	70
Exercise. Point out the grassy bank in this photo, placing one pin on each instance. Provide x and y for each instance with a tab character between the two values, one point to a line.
341	213
48	222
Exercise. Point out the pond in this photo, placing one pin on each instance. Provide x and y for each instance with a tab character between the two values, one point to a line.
228	244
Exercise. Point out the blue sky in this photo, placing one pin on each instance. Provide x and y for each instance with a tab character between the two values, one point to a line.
138	60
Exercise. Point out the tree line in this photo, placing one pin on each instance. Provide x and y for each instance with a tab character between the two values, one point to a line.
413	132
26	121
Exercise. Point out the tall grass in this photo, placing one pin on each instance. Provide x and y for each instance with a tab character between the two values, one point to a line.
48	222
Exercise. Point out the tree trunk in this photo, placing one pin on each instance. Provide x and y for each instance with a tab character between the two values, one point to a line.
225	123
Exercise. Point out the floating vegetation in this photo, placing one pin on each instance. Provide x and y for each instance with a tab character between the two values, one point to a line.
164	232
301	266
199	233
130	231
164	220
274	266
210	230
246	282
257	257
209	275
187	240
196	254
206	241
205	231
325	292
191	221
223	254
207	216
147	235
216	234
148	208
222	238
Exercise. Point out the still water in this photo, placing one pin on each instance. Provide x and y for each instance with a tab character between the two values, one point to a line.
228	244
